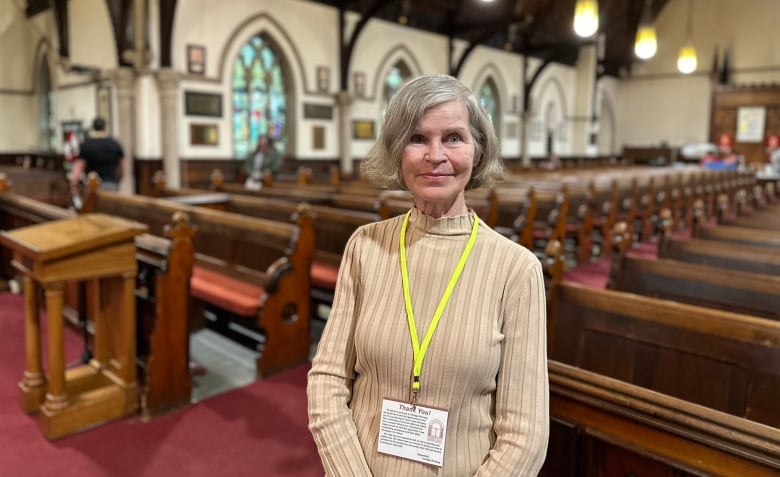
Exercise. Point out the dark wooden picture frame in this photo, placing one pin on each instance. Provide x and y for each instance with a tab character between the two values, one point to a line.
204	134
363	129
202	104
196	59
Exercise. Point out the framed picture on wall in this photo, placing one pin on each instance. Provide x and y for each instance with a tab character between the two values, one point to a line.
363	129
204	135
750	124
323	78
197	103
196	59
359	81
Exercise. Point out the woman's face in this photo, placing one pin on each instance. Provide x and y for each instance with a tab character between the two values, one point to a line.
437	161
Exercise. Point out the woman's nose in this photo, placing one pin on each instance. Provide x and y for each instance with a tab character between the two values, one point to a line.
435	150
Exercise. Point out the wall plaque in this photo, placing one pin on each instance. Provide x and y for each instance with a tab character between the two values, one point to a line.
204	135
317	111
363	129
202	104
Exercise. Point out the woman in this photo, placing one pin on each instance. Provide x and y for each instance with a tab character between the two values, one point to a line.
395	390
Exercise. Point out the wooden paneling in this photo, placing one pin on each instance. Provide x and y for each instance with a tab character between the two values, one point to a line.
726	102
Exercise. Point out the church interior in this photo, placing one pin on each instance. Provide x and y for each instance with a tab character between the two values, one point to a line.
166	327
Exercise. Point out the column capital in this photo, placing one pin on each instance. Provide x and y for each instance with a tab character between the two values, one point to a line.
168	79
344	98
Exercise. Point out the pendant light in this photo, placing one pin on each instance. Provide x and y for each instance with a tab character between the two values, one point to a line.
646	43
686	60
586	17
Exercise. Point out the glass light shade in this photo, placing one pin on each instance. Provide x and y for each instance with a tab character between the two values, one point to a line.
586	17
646	43
686	60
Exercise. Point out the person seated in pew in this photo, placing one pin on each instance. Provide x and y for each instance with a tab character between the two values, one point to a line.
264	158
435	314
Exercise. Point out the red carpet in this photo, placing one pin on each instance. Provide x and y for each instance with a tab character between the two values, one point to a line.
258	430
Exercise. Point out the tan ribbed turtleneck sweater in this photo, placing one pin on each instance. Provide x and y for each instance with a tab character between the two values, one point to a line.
486	364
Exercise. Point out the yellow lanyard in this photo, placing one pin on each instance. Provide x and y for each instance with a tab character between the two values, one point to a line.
419	351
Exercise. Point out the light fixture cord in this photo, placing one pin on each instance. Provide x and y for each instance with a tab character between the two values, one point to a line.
690	16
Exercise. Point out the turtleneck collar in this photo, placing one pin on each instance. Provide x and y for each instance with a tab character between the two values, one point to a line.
458	225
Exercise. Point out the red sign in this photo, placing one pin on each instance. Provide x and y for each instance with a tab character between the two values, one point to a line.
725	142
772	142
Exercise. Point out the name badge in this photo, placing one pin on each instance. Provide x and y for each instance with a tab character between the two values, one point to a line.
412	432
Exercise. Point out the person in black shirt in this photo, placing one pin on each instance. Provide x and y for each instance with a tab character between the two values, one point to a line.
100	153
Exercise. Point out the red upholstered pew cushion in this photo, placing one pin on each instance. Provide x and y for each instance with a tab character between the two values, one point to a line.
323	275
226	292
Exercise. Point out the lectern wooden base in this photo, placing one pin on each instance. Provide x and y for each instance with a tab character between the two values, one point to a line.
94	398
99	250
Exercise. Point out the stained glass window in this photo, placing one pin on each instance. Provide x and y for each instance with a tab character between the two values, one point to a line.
259	97
488	98
398	75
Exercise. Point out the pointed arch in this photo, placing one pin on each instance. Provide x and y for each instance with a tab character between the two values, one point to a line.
490	100
396	54
492	91
286	83
551	89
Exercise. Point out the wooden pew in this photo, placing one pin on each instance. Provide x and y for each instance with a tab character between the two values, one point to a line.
162	291
706	285
601	426
641	386
254	273
164	264
332	228
710	252
731	233
722	360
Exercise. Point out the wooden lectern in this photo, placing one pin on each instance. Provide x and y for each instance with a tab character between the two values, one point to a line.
100	250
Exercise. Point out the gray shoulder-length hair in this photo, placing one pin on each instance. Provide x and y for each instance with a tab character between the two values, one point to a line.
382	164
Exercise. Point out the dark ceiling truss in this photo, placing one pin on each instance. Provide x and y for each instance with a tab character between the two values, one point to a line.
121	15
536	28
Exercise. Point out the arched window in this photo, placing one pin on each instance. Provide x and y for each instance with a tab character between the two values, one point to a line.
259	96
47	122
488	98
398	75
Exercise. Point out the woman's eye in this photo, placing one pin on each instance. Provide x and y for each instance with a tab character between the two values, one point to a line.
417	139
454	138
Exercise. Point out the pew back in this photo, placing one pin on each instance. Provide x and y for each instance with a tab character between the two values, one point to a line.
721	360
738	291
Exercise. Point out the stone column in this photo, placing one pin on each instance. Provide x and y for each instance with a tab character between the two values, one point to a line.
168	85
583	101
525	117
344	102
124	128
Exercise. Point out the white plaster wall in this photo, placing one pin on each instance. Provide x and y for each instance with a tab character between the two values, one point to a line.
674	109
91	34
18	47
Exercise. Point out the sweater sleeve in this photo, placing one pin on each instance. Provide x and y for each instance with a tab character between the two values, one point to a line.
522	394
332	374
